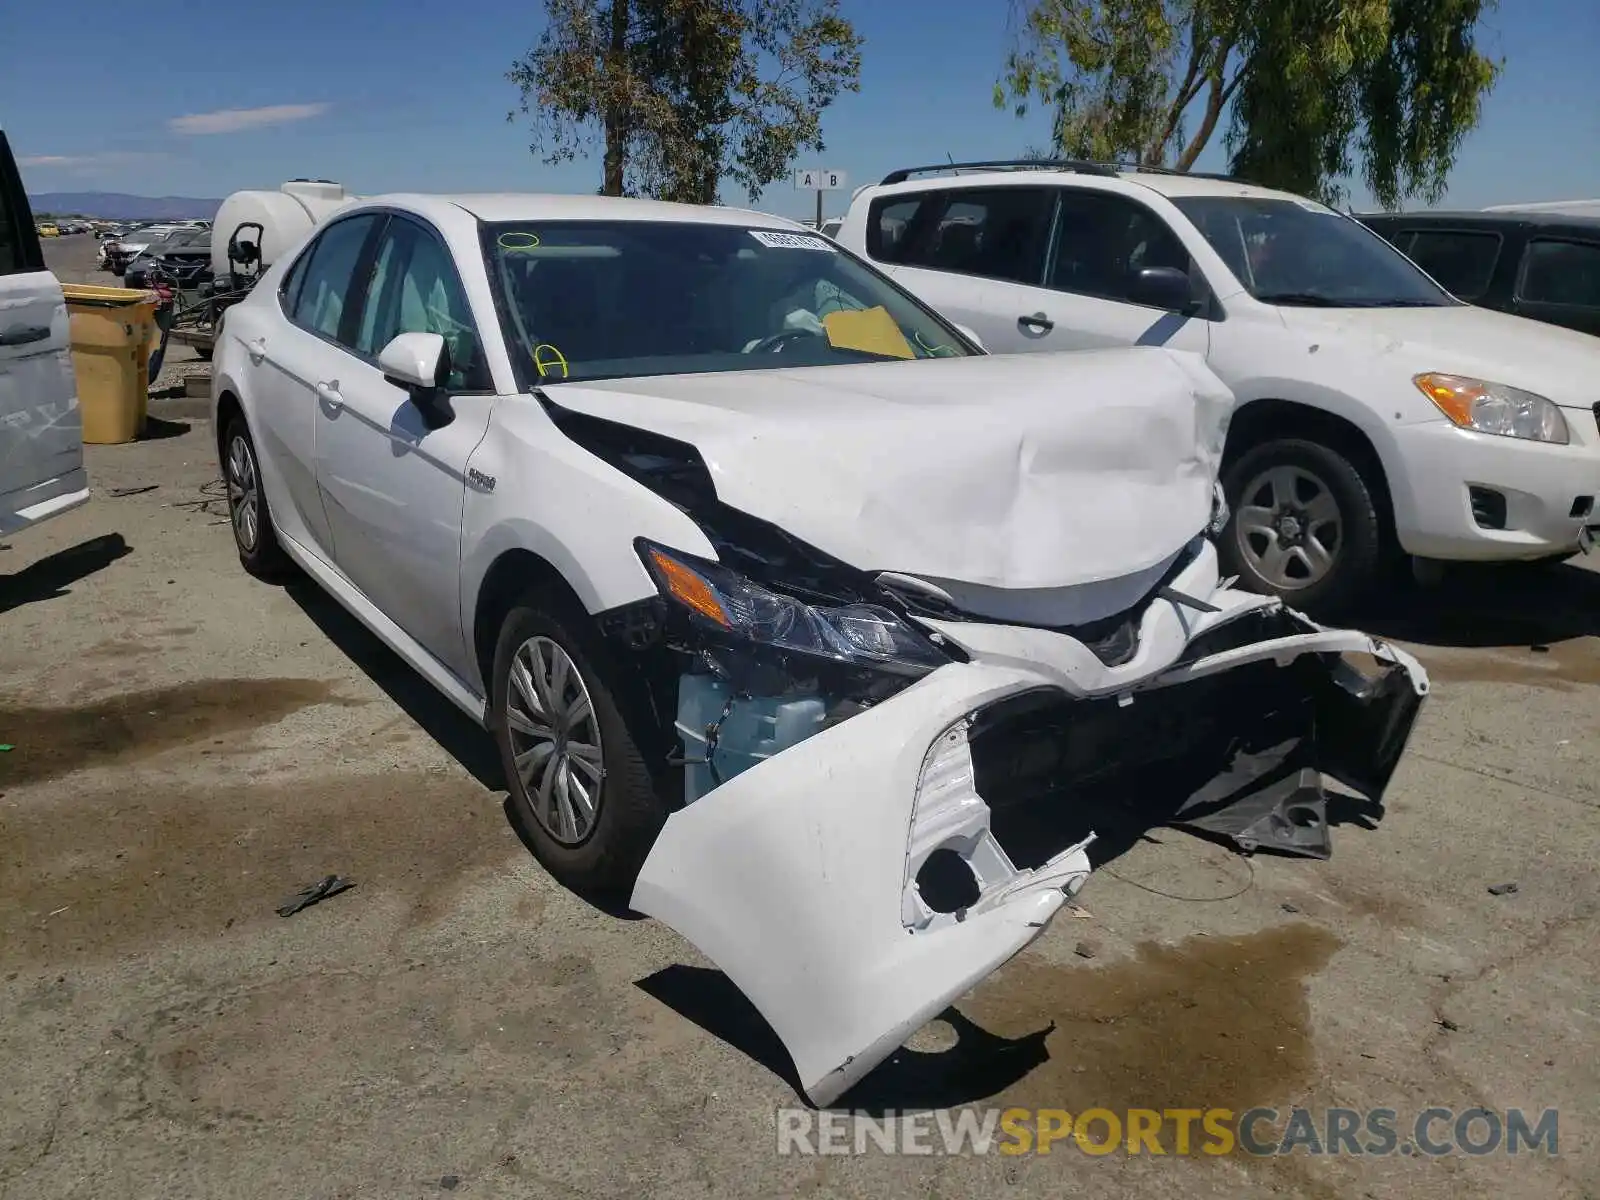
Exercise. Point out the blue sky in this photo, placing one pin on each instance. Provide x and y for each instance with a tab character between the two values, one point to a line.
406	95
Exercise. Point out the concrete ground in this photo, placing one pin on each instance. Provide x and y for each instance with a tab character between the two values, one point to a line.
189	747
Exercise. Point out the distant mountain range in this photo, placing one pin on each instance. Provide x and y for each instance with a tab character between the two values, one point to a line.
122	207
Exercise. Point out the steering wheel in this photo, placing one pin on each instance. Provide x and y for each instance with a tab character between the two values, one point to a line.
774	343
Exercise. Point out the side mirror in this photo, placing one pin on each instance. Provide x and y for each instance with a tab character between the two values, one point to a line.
420	363
1163	287
967	332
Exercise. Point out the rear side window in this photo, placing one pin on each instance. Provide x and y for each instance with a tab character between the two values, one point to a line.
888	222
19	244
1461	262
998	233
330	283
1557	272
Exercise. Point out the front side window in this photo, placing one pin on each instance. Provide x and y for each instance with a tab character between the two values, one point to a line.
415	289
1103	241
1557	272
1300	253
610	299
330	275
1461	262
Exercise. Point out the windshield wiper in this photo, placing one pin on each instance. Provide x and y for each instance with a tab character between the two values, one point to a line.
1308	299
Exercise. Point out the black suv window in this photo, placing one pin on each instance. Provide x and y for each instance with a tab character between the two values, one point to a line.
19	244
888	221
1103	241
1557	272
998	233
329	279
1460	261
415	289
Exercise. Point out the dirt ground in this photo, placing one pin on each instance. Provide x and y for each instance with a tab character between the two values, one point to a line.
190	747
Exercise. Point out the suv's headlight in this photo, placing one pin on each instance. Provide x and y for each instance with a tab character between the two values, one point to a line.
719	601
1486	407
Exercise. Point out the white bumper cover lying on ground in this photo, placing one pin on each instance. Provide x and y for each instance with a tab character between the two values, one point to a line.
799	877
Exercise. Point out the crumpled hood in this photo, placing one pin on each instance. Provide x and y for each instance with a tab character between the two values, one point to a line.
1025	471
1560	364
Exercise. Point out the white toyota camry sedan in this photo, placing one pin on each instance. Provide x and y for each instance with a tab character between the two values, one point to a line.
793	613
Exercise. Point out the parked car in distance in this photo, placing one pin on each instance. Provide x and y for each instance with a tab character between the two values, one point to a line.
183	256
49	230
1376	411
134	242
41	427
767	582
1538	264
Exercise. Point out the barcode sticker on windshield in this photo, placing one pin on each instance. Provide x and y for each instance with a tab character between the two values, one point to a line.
778	240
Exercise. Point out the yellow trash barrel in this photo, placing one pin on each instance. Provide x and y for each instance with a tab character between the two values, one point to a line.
111	330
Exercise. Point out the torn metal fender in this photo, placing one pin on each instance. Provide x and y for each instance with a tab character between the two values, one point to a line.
797	879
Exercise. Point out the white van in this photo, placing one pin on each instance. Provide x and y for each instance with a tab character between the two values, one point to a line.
41	428
1376	412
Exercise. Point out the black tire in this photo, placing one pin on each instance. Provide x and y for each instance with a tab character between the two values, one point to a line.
628	811
263	557
1360	544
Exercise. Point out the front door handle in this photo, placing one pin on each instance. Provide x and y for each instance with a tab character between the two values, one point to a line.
257	350
1037	322
22	335
328	393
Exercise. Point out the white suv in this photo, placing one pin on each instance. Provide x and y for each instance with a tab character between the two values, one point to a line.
1375	410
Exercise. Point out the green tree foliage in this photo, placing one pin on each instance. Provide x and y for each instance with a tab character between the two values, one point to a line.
1320	90
682	94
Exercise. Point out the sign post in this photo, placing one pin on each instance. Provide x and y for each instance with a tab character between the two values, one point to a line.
819	180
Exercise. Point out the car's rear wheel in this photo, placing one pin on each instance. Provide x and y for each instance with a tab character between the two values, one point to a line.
248	511
1304	524
580	789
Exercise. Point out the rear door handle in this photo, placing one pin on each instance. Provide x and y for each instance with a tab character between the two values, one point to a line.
257	350
1037	321
23	335
328	393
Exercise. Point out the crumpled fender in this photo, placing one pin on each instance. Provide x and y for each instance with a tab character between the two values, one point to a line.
790	877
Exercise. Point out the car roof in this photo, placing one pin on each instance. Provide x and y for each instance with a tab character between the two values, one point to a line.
1172	184
549	206
1542	218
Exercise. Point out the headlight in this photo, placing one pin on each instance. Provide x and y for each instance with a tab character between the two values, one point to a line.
720	601
1486	407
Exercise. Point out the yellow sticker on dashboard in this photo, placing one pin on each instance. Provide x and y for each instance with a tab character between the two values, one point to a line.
870	330
517	240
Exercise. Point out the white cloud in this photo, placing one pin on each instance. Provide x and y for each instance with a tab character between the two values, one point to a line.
83	162
232	120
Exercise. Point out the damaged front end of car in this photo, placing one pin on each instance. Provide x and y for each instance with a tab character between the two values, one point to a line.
886	794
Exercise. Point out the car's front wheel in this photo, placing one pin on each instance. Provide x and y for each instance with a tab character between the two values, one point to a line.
580	789
1304	524
253	535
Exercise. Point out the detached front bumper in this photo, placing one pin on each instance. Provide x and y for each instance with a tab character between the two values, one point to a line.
854	885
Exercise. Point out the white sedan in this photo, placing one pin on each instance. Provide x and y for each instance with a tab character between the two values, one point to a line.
790	610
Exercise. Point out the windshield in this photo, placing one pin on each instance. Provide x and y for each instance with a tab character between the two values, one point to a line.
611	299
1300	253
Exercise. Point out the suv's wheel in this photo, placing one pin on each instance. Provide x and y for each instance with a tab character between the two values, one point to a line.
1304	524
257	542
579	787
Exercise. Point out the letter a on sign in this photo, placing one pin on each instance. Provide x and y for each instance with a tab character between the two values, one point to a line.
807	181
